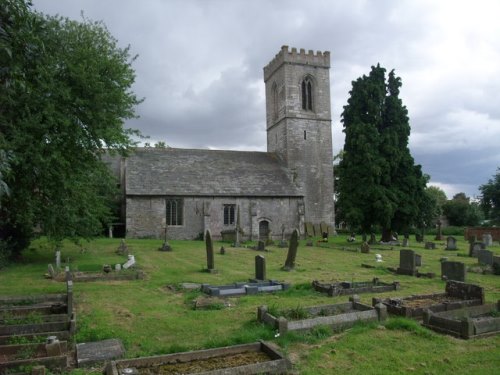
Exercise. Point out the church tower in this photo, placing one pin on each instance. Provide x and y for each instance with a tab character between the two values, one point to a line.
299	126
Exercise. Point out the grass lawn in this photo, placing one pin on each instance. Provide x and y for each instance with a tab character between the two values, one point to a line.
154	316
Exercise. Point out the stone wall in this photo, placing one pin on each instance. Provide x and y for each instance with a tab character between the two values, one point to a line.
479	231
146	216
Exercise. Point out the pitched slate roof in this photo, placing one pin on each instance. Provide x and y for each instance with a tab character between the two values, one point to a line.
175	171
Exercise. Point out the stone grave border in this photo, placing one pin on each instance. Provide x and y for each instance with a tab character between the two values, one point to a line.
244	288
277	363
338	316
52	362
470	295
346	287
123	275
460	323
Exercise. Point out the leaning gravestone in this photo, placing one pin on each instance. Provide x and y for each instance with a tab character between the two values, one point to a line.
292	251
485	257
453	271
51	271
451	243
209	246
260	267
487	239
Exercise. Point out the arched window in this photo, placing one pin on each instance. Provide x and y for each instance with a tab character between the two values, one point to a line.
174	211
307	94
229	210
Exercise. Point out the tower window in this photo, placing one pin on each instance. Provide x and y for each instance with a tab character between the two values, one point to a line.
305	134
307	94
174	211
275	101
229	214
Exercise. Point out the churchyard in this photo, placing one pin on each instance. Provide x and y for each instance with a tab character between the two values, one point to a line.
156	314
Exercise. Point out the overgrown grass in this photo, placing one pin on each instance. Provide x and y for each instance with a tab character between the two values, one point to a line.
151	318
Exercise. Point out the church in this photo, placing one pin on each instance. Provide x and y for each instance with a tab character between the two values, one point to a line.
264	194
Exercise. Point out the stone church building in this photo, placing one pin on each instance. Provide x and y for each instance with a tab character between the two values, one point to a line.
263	193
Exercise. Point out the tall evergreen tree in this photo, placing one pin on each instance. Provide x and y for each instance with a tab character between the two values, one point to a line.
379	183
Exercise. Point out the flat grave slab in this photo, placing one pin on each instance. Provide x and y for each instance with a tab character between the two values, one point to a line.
346	287
240	289
339	316
91	353
466	323
457	295
255	358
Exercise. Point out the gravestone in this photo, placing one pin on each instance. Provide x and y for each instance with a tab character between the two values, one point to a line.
166	246
475	247
260	268
323	227
439	235
92	353
309	230
451	243
292	251
418	260
365	248
372	240
58	259
487	239
222	251
317	230
261	245
453	271
407	263
123	248
419	237
118	267
209	246
406	242
430	245
496	264
129	263
485	257
51	271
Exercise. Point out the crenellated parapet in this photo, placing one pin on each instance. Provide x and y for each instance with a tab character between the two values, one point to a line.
301	57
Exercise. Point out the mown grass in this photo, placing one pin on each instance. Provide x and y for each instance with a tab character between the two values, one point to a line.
154	316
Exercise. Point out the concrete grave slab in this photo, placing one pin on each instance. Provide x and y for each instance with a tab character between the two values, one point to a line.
91	353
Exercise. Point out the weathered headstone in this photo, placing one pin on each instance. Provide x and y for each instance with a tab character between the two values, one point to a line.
129	263
92	353
122	248
365	248
222	251
323	227
430	245
487	239
407	263
475	247
372	240
51	271
406	242
260	268
453	271
419	237
309	230
439	235
118	267
58	259
292	251
418	260
451	243
485	257
261	245
209	246
317	230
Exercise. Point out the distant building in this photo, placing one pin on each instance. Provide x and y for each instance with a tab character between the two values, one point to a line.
189	191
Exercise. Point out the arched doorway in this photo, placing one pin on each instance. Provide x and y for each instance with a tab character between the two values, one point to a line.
264	230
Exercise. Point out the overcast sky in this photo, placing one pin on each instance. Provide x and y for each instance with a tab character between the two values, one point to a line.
200	69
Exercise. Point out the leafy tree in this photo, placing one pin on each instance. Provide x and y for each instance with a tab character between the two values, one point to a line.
65	93
490	198
436	198
460	211
379	184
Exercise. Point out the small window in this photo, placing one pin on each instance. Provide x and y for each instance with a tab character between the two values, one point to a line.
307	94
305	134
174	211
229	214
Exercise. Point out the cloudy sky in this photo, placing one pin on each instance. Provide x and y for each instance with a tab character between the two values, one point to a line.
200	69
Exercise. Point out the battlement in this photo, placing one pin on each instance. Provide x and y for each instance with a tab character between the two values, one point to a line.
321	59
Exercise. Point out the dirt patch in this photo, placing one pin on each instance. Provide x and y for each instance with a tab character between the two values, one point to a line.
428	301
209	364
